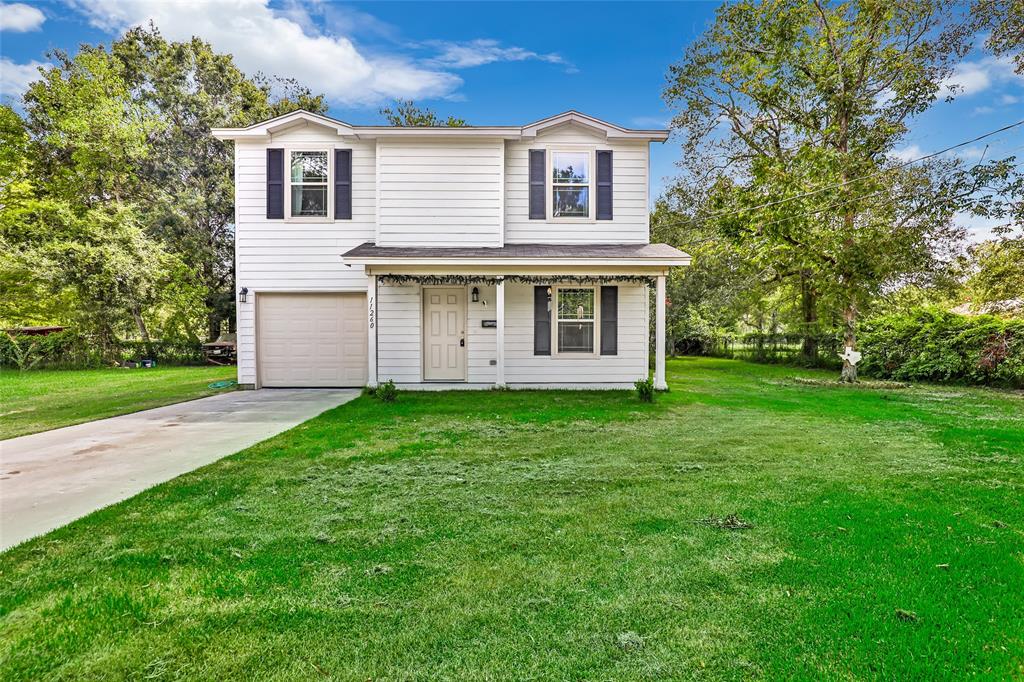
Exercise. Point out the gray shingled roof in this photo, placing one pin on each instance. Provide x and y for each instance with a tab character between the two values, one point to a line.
560	251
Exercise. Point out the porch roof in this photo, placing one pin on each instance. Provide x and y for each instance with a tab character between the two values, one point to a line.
658	255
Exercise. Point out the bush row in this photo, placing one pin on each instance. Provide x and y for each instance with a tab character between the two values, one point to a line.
931	344
70	349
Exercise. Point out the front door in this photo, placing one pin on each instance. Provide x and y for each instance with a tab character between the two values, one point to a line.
444	334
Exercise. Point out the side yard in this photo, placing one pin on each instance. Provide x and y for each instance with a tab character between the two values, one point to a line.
39	400
746	525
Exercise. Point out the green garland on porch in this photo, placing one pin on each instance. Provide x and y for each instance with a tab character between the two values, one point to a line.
434	280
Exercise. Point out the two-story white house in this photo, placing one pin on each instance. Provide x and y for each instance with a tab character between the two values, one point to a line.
446	257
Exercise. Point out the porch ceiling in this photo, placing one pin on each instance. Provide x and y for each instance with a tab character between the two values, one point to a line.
534	257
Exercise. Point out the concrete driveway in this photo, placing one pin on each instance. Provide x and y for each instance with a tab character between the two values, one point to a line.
52	478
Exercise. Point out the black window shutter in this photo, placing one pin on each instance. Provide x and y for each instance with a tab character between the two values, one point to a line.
275	183
538	210
609	320
541	322
343	184
604	184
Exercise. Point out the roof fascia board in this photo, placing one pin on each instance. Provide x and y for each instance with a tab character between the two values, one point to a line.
554	262
265	129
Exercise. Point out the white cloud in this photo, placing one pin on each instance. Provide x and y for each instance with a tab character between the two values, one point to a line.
14	78
982	110
480	52
972	153
651	122
279	42
908	153
19	17
1009	99
970	78
979	228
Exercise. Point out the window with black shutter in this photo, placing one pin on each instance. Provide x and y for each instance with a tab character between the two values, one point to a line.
343	184
275	184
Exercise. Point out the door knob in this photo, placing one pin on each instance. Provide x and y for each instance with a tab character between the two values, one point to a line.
462	342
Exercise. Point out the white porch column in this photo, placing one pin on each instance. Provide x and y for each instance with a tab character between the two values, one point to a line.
659	335
499	303
371	327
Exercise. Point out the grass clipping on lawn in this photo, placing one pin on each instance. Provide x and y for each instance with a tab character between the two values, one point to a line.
552	535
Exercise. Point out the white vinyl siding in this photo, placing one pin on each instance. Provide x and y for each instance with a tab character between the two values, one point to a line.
399	340
523	367
629	193
440	193
275	255
437	192
399	337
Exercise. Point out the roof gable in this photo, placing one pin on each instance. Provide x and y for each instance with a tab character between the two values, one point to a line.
596	125
265	129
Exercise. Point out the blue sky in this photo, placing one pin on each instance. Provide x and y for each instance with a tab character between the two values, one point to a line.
487	62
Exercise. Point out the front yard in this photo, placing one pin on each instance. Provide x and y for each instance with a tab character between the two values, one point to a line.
39	400
560	535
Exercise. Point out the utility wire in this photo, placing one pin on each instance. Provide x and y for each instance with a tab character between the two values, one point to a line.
837	204
847	182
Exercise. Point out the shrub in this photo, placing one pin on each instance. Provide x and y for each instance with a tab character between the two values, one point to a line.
386	392
645	389
22	355
930	344
70	349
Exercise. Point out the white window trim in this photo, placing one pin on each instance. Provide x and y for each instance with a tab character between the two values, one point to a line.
555	353
591	184
329	218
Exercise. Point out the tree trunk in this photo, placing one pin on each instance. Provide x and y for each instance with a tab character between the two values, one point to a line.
143	331
849	374
809	309
213	323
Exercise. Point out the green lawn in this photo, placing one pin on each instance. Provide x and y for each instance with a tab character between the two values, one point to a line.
39	400
560	535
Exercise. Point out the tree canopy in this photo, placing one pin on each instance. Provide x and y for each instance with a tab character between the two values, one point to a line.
789	111
119	203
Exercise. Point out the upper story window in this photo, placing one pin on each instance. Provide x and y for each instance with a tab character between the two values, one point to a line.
309	184
575	322
570	184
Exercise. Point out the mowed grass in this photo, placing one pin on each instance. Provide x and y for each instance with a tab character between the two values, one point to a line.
39	400
560	535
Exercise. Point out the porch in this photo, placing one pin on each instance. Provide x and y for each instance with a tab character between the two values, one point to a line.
529	316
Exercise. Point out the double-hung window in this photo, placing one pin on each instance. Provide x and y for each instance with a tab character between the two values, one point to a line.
575	319
570	184
309	172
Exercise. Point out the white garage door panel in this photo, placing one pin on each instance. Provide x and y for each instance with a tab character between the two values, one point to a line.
314	340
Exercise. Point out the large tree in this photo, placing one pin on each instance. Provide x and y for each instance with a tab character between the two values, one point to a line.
799	105
408	114
129	127
188	174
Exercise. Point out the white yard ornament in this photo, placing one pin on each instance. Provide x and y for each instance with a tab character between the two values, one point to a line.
850	355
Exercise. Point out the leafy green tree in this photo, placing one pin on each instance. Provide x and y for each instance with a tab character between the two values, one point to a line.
23	298
998	274
1004	22
803	102
405	113
110	131
89	136
188	174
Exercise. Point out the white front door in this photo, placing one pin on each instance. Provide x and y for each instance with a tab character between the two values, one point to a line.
444	334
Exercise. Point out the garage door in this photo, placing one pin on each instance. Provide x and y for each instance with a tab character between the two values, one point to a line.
316	340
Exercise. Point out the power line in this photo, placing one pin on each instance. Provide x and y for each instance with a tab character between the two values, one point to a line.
846	182
842	202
